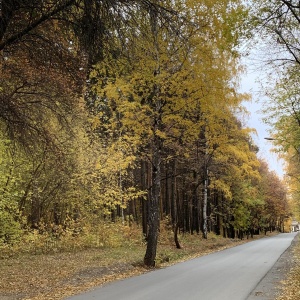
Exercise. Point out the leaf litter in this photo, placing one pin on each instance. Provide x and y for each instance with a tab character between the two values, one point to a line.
59	275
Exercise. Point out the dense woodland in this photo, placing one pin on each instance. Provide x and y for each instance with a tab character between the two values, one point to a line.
122	113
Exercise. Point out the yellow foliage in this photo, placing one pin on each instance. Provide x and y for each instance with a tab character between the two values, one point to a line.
222	186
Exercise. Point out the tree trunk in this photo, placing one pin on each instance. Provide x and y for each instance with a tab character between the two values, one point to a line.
156	147
176	236
174	214
144	203
153	205
205	207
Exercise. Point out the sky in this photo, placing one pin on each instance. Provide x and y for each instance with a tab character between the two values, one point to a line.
250	84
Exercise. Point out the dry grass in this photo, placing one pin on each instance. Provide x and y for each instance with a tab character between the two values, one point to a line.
58	275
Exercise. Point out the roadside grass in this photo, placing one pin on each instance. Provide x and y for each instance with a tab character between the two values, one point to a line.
55	272
291	286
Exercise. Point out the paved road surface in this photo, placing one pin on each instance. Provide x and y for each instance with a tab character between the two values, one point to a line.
226	275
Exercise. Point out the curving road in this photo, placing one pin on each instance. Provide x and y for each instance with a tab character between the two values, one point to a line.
231	274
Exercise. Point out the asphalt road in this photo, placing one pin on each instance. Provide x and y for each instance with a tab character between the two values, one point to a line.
231	274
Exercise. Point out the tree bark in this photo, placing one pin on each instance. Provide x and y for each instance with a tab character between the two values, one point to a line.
205	195
154	204
156	146
205	207
144	202
176	236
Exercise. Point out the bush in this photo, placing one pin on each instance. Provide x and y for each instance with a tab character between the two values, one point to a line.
75	237
10	230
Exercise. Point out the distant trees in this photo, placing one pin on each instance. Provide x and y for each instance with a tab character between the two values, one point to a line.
276	206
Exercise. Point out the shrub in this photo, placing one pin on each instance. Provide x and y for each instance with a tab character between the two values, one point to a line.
10	230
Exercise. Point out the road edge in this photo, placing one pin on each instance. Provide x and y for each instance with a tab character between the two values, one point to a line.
269	287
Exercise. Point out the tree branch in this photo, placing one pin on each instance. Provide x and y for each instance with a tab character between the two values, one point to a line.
35	24
291	8
288	46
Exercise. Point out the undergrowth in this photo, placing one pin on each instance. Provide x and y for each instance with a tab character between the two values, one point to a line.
43	265
104	235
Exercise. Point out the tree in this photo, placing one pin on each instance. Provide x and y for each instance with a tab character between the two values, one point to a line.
143	101
40	73
280	22
276	207
43	71
165	95
47	49
279	25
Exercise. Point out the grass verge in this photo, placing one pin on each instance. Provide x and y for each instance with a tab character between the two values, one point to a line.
59	275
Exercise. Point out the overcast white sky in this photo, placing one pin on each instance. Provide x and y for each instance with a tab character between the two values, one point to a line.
250	84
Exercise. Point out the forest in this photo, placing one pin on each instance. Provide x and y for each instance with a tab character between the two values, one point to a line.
122	113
